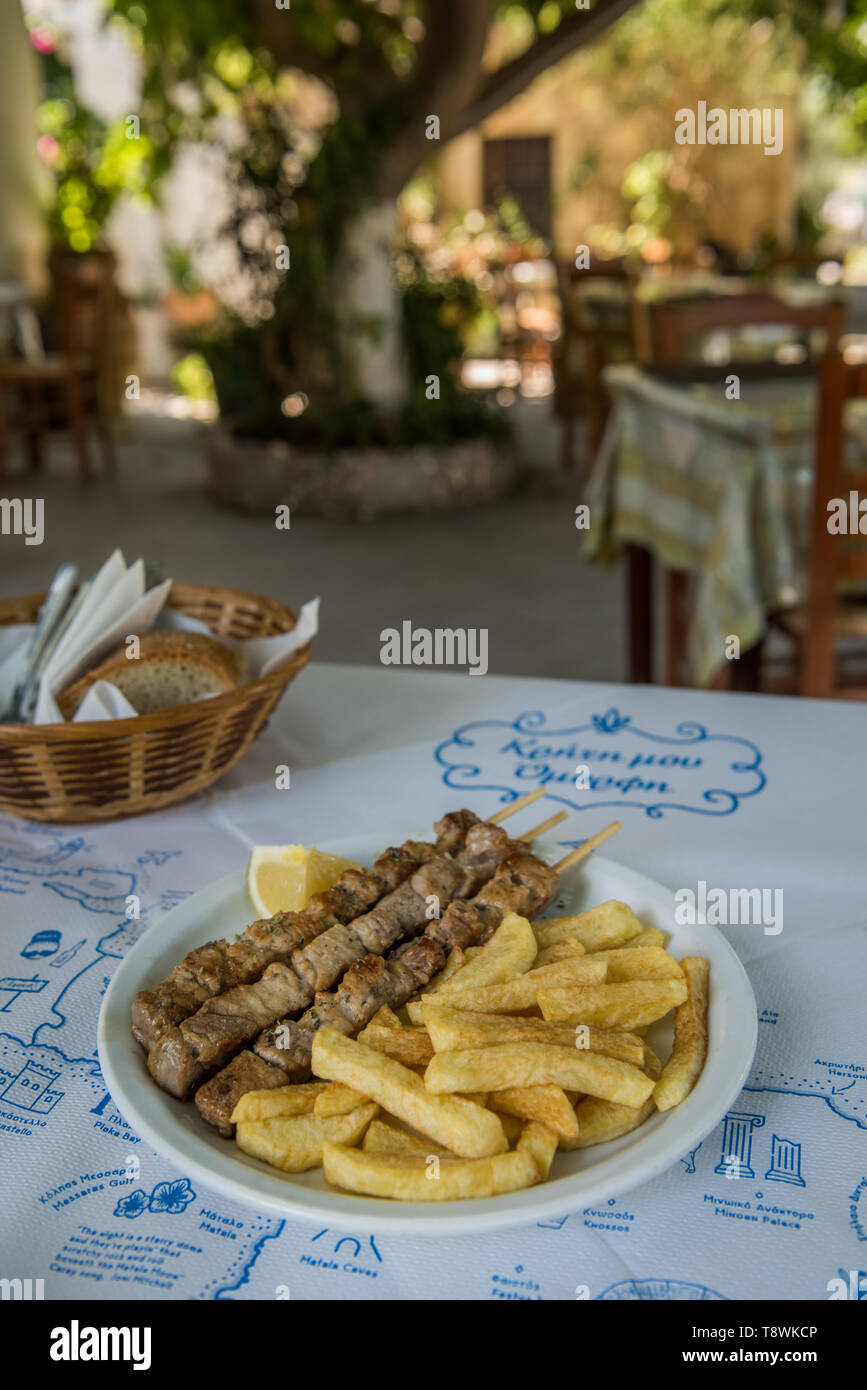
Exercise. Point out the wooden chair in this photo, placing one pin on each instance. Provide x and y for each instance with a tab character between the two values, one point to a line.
829	616
803	260
587	345
665	332
68	385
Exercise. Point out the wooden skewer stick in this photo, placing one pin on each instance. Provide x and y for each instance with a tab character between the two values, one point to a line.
545	825
588	847
515	806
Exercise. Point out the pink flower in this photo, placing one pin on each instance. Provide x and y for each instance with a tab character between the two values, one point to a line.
48	148
43	39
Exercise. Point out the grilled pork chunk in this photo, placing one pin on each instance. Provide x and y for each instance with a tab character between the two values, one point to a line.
246	1072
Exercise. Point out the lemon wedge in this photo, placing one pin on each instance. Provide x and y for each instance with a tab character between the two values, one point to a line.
283	878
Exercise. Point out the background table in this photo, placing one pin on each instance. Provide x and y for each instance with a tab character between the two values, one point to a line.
719	488
737	791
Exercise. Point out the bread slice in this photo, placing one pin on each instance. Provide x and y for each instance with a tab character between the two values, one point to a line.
172	668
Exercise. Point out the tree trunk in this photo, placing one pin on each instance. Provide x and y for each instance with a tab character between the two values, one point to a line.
368	306
24	184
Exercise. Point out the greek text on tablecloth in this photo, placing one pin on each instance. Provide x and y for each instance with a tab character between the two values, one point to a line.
607	761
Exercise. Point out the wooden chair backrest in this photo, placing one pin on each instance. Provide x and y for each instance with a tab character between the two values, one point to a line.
804	259
85	298
665	330
834	559
586	347
570	281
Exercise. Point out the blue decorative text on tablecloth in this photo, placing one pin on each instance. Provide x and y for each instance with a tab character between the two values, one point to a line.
607	761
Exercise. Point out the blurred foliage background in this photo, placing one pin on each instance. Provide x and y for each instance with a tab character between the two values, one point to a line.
314	107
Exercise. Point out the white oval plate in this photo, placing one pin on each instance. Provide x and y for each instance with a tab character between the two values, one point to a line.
577	1180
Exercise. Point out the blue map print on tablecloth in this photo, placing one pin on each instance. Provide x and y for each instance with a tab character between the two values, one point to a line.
243	1266
29	860
848	1100
132	1204
618	763
47	845
97	890
169	1197
660	1290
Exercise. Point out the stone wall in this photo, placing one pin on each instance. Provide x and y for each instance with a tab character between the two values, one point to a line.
597	128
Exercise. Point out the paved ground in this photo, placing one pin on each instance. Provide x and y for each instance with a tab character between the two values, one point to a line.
514	568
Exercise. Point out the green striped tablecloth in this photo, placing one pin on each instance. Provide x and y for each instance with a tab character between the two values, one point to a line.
718	487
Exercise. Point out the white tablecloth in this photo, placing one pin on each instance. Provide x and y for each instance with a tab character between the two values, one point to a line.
735	790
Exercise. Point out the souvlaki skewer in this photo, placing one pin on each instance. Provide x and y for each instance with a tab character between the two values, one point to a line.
218	966
523	883
184	1055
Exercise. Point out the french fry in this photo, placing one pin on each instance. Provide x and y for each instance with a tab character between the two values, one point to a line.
382	1138
629	1004
513	1128
414	1178
560	950
688	1054
541	1143
477	1097
455	961
412	1046
545	1105
510	952
553	930
461	1126
537	1064
521	993
282	1100
294	1143
650	936
610	924
641	963
454	1030
337	1099
602	1120
567	1146
385	1018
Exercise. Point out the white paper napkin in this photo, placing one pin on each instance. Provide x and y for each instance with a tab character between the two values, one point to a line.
104	701
115	607
263	654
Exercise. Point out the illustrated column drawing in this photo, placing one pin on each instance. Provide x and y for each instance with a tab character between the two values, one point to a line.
737	1144
785	1162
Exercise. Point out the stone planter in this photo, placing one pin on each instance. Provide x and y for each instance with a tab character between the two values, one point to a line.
357	483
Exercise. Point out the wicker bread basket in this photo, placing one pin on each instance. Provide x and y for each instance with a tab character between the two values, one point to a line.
99	771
